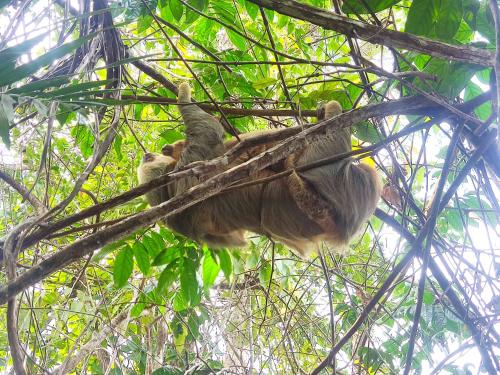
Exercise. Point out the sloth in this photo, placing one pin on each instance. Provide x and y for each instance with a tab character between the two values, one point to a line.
326	203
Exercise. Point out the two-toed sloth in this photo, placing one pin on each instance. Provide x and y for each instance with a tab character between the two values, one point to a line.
327	203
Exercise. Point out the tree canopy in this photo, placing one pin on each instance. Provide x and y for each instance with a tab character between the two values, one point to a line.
92	282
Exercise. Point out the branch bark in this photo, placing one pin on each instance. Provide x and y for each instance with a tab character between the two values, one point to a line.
378	35
214	185
418	106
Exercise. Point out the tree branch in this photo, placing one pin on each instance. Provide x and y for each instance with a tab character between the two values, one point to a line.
200	192
412	105
25	193
378	35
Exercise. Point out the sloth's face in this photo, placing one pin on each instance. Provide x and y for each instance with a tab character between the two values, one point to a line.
154	161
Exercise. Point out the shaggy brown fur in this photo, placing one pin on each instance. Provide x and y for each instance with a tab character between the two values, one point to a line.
327	203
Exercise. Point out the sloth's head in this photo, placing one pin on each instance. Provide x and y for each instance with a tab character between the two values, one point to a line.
154	165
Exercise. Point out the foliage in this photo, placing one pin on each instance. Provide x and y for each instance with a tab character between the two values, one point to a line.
154	302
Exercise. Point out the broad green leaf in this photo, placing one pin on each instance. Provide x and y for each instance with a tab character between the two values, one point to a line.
6	117
464	34
141	257
189	282
76	88
180	303
210	270
225	263
152	246
428	298
101	254
265	273
269	14
166	256
167	277
4	127
137	309
448	18
117	146
168	370
421	17
452	76
158	240
373	6
84	139
124	264
225	11
365	131
165	11
264	83
282	21
252	9
180	332
144	22
485	23
177	8
237	40
200	5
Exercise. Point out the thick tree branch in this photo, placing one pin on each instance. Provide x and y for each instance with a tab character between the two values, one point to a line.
202	191
418	106
378	35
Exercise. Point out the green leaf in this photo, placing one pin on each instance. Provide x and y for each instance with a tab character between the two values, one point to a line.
166	256
264	83
117	146
6	117
225	11
84	139
177	8
9	56
484	22
265	273
144	22
165	11
167	371
124	264
12	75
448	18
252	9
32	87
358	7
167	277
237	40
76	88
452	76
180	302
180	332
200	5
137	309
210	270
189	282
141	257
225	263
421	17
365	131
428	298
